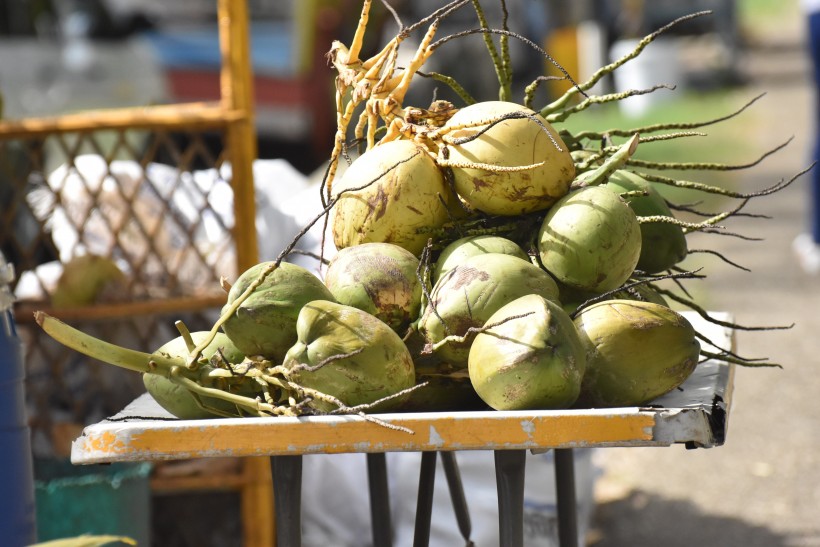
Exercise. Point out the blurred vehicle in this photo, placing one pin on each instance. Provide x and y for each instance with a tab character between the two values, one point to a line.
69	55
293	85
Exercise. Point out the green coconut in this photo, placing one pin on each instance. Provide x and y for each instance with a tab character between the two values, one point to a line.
369	360
265	323
463	248
466	296
513	143
533	362
590	240
393	193
635	352
86	280
175	398
663	244
379	278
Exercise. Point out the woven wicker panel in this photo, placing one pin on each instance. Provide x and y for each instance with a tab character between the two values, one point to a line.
156	207
168	227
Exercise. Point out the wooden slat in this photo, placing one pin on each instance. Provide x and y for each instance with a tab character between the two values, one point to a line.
216	482
24	312
187	116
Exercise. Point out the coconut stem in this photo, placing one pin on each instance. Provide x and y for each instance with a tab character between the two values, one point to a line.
608	69
720	256
505	93
225	284
612	164
186	335
707	166
562	115
687	226
253	406
692	185
106	352
727	353
487	166
615	132
451	82
501	73
703	313
504	32
738	361
529	91
589	158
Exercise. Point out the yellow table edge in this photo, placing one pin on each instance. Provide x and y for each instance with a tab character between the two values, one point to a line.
488	430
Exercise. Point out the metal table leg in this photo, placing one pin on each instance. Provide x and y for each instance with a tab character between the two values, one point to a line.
509	476
424	505
287	497
565	493
379	500
450	465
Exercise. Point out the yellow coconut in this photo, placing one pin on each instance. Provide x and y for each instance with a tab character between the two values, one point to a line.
525	139
393	193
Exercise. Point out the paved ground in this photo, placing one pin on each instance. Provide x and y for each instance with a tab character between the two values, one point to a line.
762	488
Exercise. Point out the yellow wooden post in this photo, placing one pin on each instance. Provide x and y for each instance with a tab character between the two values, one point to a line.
236	82
258	526
562	45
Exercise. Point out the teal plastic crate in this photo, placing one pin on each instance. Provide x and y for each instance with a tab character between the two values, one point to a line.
72	500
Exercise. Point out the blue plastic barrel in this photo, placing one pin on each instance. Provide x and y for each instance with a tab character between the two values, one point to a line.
17	510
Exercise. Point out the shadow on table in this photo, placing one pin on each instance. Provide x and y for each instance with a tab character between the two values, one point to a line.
643	519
